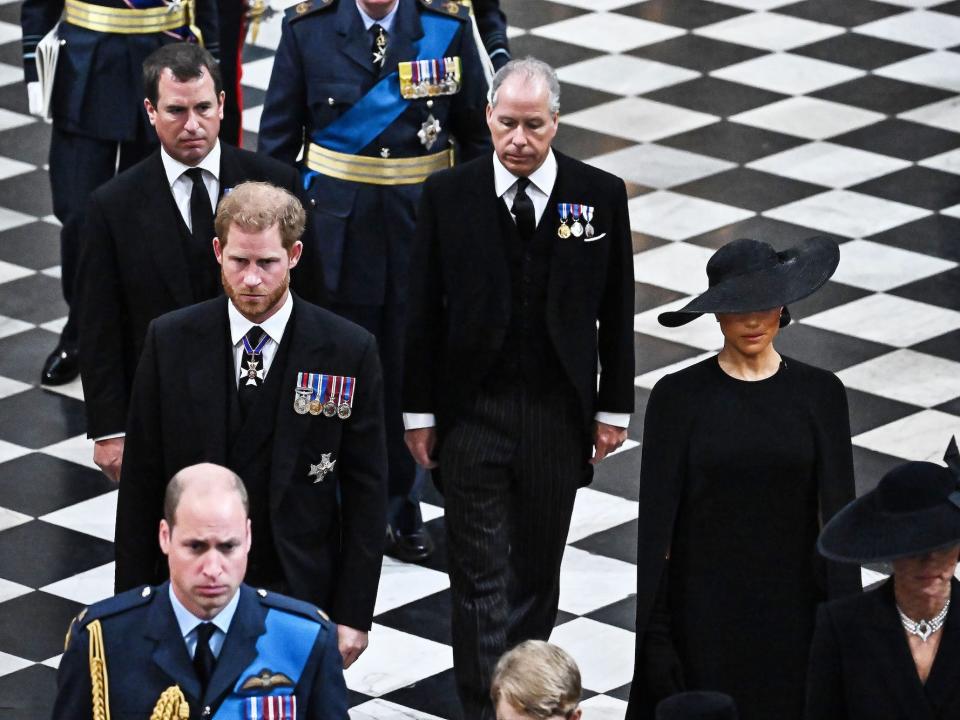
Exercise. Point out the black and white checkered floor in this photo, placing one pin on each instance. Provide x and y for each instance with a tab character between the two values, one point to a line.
728	118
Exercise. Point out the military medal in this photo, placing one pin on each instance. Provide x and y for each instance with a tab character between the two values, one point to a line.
588	216
429	78
301	398
252	357
346	404
319	386
429	132
330	405
564	230
275	707
576	229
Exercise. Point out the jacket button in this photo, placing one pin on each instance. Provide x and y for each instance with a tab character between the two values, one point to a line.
331	101
313	202
206	712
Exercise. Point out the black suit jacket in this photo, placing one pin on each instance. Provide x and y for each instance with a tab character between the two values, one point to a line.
328	535
459	302
133	269
861	667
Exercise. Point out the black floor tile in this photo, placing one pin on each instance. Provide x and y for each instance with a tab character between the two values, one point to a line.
37	484
428	617
937	235
951	7
859	51
35	245
621	693
255	52
12	54
38	553
27	143
900	138
619	474
780	235
37	418
535	13
253	97
640	398
732	141
619	543
848	13
553	52
825	349
952	407
869	466
945	346
586	143
688	14
942	289
715	96
435	695
621	614
33	626
882	94
14	96
36	299
28	694
653	352
10	13
647	297
643	242
697	53
22	355
578	97
750	189
868	411
28	193
919	186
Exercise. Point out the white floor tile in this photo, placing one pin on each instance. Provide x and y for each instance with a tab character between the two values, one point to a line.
595	511
648	380
8	73
603	652
847	213
10	387
12	326
947	162
9	451
86	587
922	436
596	4
638	119
907	376
55	326
944	114
624	74
888	319
879	267
923	28
10	167
674	216
659	167
10	590
256	74
9	271
809	118
12	663
53	271
430	512
589	582
394	660
608	31
10	119
72	389
677	266
96	516
402	583
11	518
627	446
603	707
769	31
755	4
53	662
251	118
833	166
788	74
10	32
381	709
268	34
951	211
703	333
939	69
77	449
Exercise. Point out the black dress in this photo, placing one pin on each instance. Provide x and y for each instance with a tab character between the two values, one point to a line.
733	479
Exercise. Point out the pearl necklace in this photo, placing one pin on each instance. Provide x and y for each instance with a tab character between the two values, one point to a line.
923	629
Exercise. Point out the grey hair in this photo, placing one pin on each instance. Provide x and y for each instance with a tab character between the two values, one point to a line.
532	69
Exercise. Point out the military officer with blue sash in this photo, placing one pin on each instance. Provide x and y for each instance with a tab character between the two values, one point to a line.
99	124
202	645
377	94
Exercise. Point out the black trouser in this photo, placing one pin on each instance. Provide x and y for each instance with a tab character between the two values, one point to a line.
511	468
78	166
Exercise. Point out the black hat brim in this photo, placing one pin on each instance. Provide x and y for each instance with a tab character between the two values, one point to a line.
805	268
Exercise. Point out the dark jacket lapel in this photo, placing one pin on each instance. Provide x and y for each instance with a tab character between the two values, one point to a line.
231	173
240	646
205	352
170	652
487	233
354	40
564	255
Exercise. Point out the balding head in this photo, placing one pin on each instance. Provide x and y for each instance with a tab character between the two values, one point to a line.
203	478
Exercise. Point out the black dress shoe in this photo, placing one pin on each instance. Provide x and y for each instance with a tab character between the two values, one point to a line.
62	366
409	547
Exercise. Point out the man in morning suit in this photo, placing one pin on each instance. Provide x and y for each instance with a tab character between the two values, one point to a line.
373	125
285	394
99	127
147	240
202	644
521	276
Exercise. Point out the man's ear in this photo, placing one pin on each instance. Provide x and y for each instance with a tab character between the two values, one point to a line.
165	532
218	250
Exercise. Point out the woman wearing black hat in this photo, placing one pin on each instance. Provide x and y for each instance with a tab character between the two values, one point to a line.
743	454
894	652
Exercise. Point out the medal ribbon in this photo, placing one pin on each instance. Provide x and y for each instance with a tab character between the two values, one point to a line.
255	350
576	212
562	209
348	391
333	387
588	213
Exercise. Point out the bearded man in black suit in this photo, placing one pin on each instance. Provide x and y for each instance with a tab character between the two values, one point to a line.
147	240
285	394
521	276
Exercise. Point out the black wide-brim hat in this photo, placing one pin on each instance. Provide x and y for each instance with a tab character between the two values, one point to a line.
700	705
915	509
749	275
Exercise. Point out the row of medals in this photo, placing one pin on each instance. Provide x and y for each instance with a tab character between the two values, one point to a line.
302	406
577	229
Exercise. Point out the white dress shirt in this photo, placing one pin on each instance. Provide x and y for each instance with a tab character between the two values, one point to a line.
189	623
272	326
181	185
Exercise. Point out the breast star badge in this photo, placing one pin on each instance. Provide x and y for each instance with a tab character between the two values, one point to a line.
320	470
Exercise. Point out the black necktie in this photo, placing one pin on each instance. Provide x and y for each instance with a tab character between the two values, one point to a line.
203	272
251	367
523	210
203	659
379	46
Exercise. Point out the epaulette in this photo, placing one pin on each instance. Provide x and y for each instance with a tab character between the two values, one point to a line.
292	605
111	606
306	7
450	8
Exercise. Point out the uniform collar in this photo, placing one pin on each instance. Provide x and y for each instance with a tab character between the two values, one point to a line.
174	168
544	177
188	622
272	326
386	22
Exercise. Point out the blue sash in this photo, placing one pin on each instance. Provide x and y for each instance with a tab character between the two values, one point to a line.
284	648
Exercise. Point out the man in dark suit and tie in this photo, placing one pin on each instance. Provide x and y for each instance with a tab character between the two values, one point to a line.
285	394
203	644
521	276
147	240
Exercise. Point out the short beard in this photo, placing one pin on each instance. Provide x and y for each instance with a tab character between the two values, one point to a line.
250	310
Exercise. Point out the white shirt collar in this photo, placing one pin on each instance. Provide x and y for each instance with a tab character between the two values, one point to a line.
174	168
272	326
544	177
386	22
188	621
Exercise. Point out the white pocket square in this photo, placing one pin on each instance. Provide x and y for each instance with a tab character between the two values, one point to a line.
595	237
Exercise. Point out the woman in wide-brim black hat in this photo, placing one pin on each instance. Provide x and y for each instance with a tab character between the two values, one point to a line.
894	652
743	454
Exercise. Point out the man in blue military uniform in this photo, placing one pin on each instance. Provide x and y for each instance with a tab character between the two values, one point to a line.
203	644
99	125
378	94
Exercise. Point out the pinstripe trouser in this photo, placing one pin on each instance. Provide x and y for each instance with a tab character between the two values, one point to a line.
511	468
